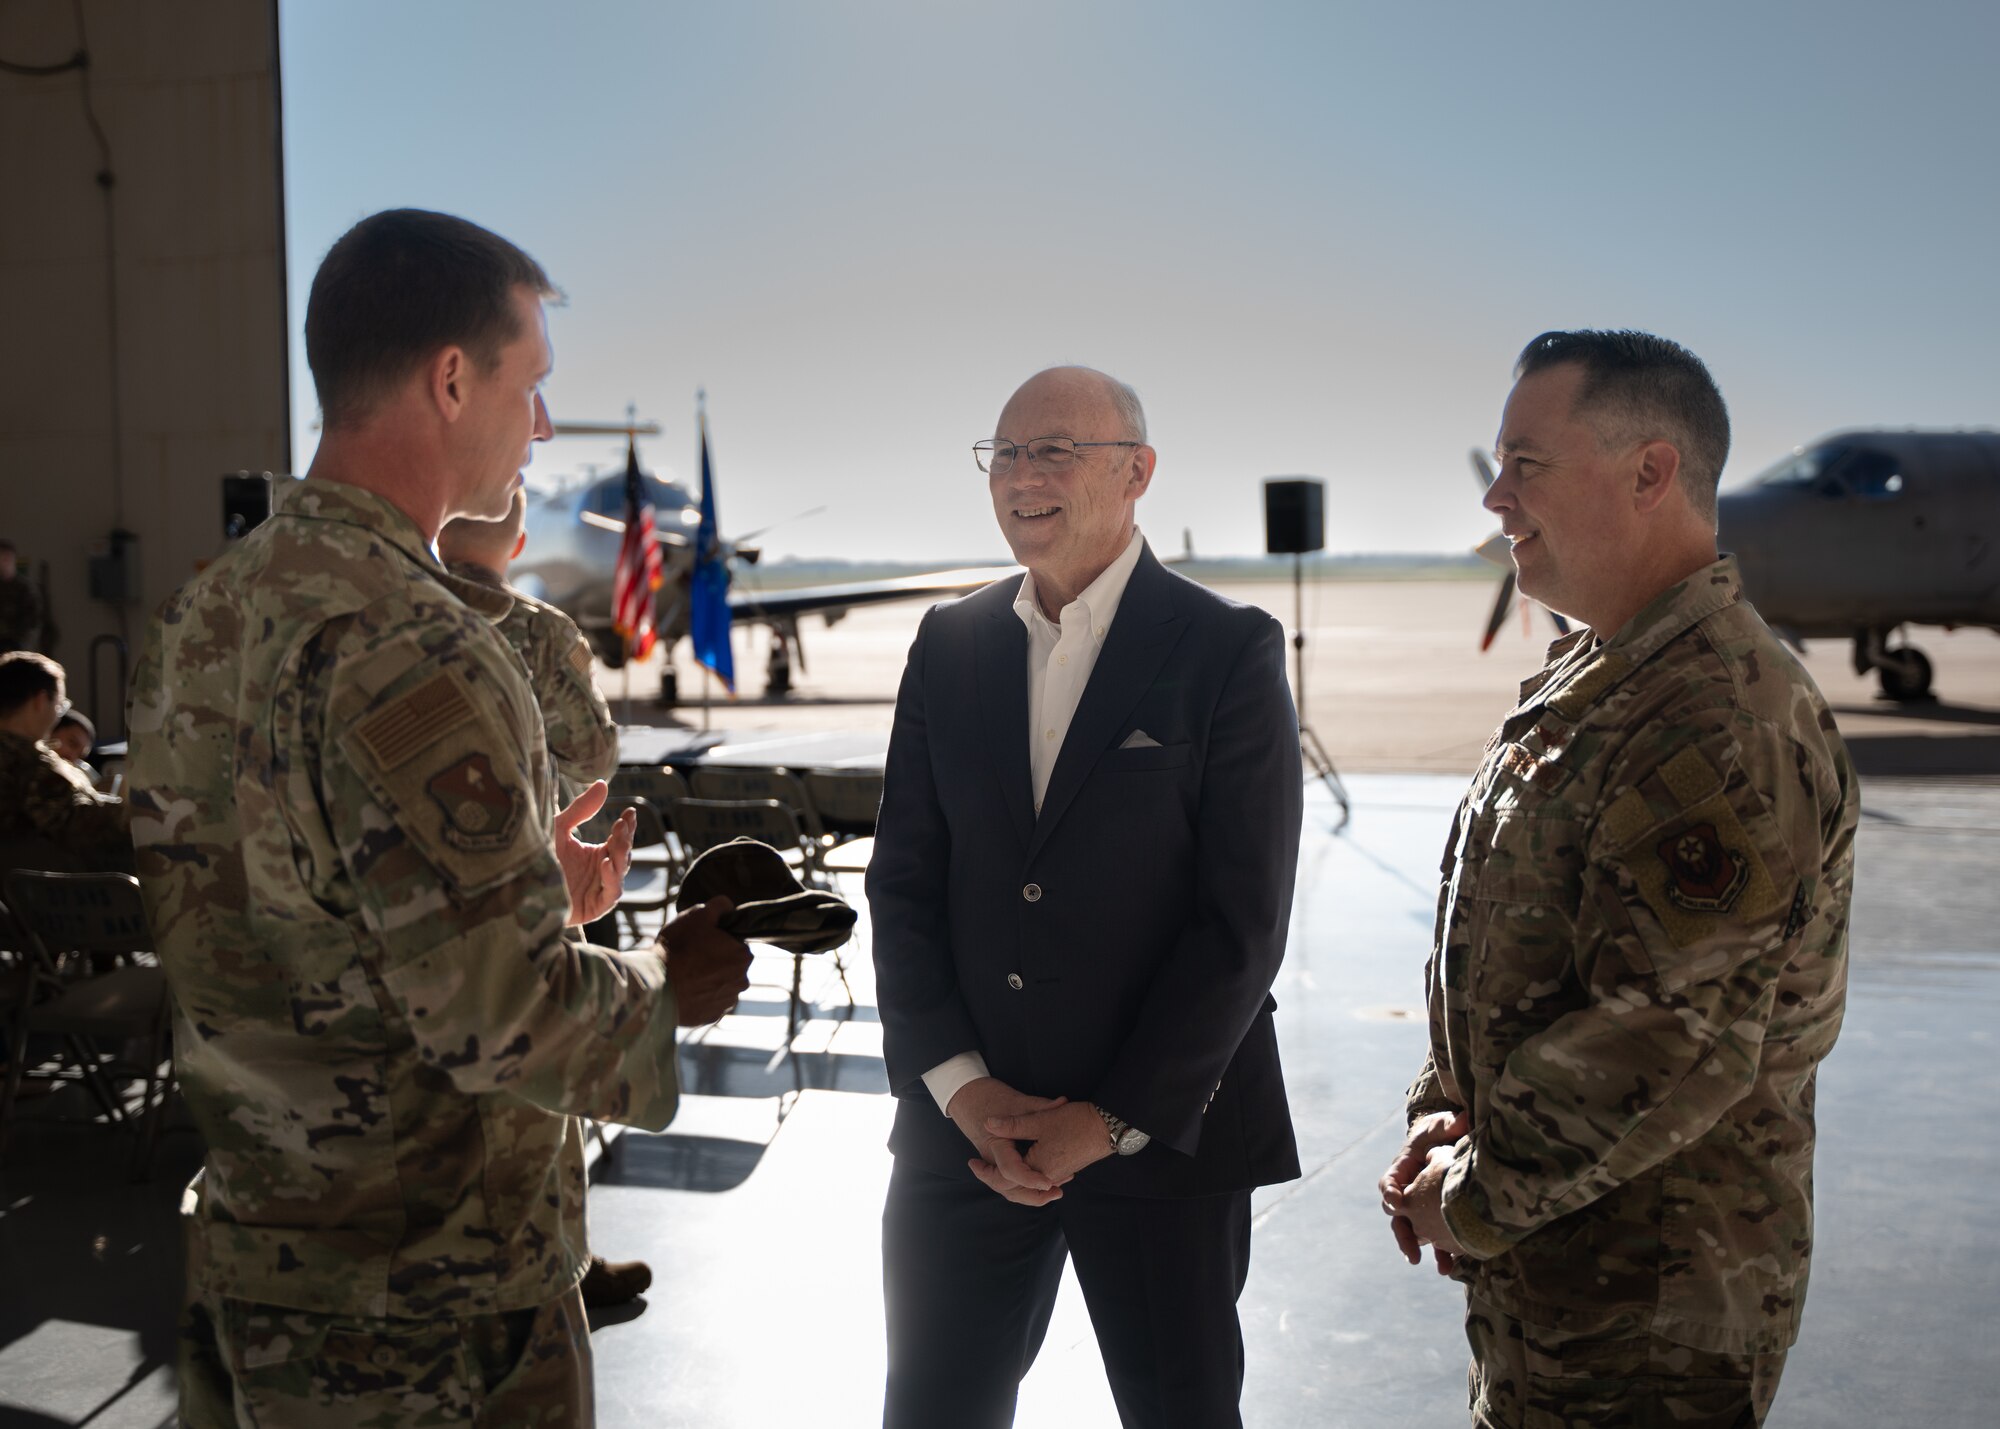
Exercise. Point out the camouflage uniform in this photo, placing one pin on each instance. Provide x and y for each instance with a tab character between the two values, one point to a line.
582	736
341	799
1640	961
44	796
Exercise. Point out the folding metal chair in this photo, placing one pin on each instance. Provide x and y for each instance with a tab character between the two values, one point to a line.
662	788
648	781
100	916
847	803
704	823
723	783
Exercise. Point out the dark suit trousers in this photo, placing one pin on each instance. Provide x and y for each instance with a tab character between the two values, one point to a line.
970	1279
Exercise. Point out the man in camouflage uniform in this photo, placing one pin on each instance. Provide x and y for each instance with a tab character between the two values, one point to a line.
343	806
1642	935
576	722
44	799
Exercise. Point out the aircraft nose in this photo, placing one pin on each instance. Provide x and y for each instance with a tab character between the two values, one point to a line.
1743	525
1750	527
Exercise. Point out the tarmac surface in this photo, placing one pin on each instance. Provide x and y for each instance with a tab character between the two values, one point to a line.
759	1208
1394	682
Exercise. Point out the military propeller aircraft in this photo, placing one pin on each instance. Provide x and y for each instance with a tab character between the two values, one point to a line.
574	531
1857	536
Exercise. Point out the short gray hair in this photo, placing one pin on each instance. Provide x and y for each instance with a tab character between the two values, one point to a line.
1123	398
1129	409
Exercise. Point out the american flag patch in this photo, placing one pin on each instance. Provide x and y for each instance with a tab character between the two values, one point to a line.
579	657
431	710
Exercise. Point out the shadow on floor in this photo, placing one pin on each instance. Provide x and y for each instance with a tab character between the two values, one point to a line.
92	1264
671	1162
1925	756
713	1070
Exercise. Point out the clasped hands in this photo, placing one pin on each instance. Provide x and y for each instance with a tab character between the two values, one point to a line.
1413	1188
1067	1137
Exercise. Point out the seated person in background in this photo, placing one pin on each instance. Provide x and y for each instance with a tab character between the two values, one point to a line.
43	797
75	739
20	608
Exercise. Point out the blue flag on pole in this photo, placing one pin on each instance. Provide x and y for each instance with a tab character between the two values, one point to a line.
708	611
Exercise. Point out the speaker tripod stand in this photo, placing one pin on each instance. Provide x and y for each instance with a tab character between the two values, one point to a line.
1310	749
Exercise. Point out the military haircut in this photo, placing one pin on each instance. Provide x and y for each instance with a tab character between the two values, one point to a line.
398	287
23	676
1639	387
82	722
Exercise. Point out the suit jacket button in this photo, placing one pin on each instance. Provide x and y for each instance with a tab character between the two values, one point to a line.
1033	893
1014	981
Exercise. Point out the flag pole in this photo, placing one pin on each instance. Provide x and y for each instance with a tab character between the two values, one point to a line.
701	429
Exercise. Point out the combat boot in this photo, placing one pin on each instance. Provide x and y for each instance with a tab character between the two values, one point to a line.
605	1283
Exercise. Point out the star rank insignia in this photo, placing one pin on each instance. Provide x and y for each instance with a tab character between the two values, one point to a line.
1704	875
480	813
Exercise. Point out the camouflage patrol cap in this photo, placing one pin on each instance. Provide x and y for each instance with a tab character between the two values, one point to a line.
772	906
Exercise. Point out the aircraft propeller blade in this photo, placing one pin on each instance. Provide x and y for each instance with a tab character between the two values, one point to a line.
617	527
1482	467
1494	549
753	535
606	429
1499	616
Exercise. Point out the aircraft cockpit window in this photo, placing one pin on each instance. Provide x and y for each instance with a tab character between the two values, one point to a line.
1872	474
1817	468
1837	471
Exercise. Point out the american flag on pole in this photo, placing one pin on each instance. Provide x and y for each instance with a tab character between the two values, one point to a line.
640	570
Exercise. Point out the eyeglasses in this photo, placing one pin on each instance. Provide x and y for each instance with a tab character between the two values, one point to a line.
997	457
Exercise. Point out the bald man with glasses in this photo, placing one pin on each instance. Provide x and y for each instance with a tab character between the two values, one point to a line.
1080	891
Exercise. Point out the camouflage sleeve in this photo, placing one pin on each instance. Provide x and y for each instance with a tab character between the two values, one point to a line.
1690	909
582	736
1427	1093
429	773
62	803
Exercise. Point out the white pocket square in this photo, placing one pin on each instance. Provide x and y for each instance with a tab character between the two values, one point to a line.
1139	739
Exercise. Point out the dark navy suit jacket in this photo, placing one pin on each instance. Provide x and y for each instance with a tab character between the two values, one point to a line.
1121	947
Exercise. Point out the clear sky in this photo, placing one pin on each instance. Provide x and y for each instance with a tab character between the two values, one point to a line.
1313	236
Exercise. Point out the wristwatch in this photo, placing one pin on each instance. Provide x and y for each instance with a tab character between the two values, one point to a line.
1126	1139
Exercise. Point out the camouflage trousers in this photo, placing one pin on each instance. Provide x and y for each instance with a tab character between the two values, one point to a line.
1525	1377
246	1366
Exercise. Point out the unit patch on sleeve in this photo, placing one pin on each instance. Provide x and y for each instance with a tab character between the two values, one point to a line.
1701	866
1704	875
480	813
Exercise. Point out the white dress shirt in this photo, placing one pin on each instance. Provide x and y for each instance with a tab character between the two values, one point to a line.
1061	655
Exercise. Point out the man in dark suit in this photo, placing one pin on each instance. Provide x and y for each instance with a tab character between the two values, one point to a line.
1080	892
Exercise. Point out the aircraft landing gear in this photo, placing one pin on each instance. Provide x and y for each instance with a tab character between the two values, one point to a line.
778	669
1904	673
